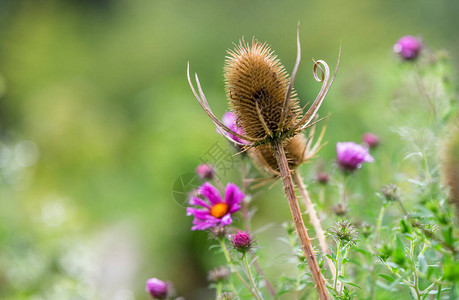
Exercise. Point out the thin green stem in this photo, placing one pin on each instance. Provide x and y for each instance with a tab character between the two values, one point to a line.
234	270
343	190
415	274
219	289
245	170
250	276
379	222
343	265
338	254
322	194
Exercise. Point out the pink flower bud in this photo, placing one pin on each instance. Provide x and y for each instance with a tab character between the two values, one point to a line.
408	47
242	241
158	289
371	140
205	171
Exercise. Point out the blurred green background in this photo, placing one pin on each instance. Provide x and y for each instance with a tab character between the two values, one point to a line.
97	122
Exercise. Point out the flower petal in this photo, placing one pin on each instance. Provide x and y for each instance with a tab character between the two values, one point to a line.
211	193
226	220
233	196
198	202
202	225
197	213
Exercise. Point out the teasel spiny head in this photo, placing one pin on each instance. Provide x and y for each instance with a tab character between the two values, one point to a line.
262	96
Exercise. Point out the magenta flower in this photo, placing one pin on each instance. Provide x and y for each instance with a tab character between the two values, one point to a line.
242	241
158	289
322	178
230	120
351	156
408	47
205	171
371	140
216	211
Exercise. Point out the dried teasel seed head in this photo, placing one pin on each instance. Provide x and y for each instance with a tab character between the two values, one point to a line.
264	158
298	150
450	162
256	86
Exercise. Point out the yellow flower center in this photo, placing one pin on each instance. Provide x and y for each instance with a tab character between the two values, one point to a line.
219	210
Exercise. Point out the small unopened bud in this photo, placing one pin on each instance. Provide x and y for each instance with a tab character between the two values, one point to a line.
158	289
371	140
408	47
218	232
343	231
322	178
205	171
340	209
226	296
242	241
218	274
389	193
384	251
366	229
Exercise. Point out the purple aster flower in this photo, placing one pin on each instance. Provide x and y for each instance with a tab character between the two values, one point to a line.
230	120
351	156
158	289
215	211
408	47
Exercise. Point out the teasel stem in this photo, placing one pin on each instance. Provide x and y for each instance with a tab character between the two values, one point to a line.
314	219
289	189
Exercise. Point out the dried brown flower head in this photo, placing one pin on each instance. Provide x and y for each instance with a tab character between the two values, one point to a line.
256	86
262	96
298	150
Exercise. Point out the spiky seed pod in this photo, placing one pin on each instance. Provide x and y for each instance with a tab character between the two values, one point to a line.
256	86
295	150
450	163
298	150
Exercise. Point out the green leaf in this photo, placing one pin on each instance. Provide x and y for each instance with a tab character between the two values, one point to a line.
422	263
387	277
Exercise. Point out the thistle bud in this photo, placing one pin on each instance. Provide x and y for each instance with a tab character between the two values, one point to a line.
158	289
371	140
218	232
340	209
389	193
343	231
322	178
351	156
242	242
256	85
408	47
366	229
205	171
